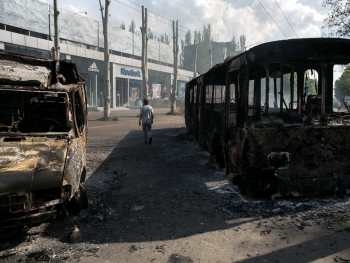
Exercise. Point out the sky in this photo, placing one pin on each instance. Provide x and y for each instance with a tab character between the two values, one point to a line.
259	20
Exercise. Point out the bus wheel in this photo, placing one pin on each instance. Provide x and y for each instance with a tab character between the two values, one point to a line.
217	150
252	180
78	202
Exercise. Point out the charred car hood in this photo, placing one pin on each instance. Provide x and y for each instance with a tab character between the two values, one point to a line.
31	164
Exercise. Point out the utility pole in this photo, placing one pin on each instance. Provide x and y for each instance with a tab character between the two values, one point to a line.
195	60
49	21
176	55
144	92
133	42
158	50
56	48
107	94
98	34
211	53
132	29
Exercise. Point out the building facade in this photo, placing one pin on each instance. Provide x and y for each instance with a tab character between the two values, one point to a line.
125	69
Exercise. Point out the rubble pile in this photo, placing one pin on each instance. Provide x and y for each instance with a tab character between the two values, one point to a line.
333	214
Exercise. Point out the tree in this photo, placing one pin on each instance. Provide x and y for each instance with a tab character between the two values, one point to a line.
342	85
167	39
242	41
207	33
339	16
176	55
144	53
150	34
196	41
56	48
107	94
188	38
234	44
231	47
132	27
182	55
197	37
132	31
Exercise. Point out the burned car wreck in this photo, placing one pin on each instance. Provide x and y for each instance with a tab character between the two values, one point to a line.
42	138
271	118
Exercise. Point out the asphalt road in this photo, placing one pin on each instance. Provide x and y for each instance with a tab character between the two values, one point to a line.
167	202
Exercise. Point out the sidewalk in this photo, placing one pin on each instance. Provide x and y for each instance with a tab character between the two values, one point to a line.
122	112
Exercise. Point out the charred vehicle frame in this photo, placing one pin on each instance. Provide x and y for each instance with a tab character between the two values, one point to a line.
43	129
256	115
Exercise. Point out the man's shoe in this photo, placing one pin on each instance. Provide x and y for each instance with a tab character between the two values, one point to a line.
150	141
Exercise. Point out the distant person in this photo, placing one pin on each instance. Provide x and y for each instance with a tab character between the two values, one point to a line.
146	120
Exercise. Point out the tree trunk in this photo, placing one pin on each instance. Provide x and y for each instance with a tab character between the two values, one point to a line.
176	54
144	59
107	92
195	61
56	50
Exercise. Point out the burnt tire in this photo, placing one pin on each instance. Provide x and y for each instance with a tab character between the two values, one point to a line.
78	202
84	202
217	151
252	180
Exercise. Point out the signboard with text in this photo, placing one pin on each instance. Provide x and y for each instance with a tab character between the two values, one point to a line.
127	72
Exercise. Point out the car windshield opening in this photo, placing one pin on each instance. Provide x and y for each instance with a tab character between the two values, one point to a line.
33	112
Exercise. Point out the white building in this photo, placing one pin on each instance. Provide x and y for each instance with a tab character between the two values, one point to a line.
25	33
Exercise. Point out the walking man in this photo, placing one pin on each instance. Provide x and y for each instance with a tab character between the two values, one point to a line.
146	119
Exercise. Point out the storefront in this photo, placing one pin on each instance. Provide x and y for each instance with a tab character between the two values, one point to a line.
160	84
92	91
127	85
91	72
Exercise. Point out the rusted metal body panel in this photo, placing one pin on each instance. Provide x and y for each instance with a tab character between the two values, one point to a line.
43	128
274	133
36	163
301	161
15	71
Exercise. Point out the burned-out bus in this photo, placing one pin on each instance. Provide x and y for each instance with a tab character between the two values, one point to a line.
276	116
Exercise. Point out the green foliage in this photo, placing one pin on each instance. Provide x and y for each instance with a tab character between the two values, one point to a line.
188	38
342	85
197	37
338	17
243	41
132	27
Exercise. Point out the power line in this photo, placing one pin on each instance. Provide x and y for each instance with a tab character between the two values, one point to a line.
135	6
272	18
286	18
